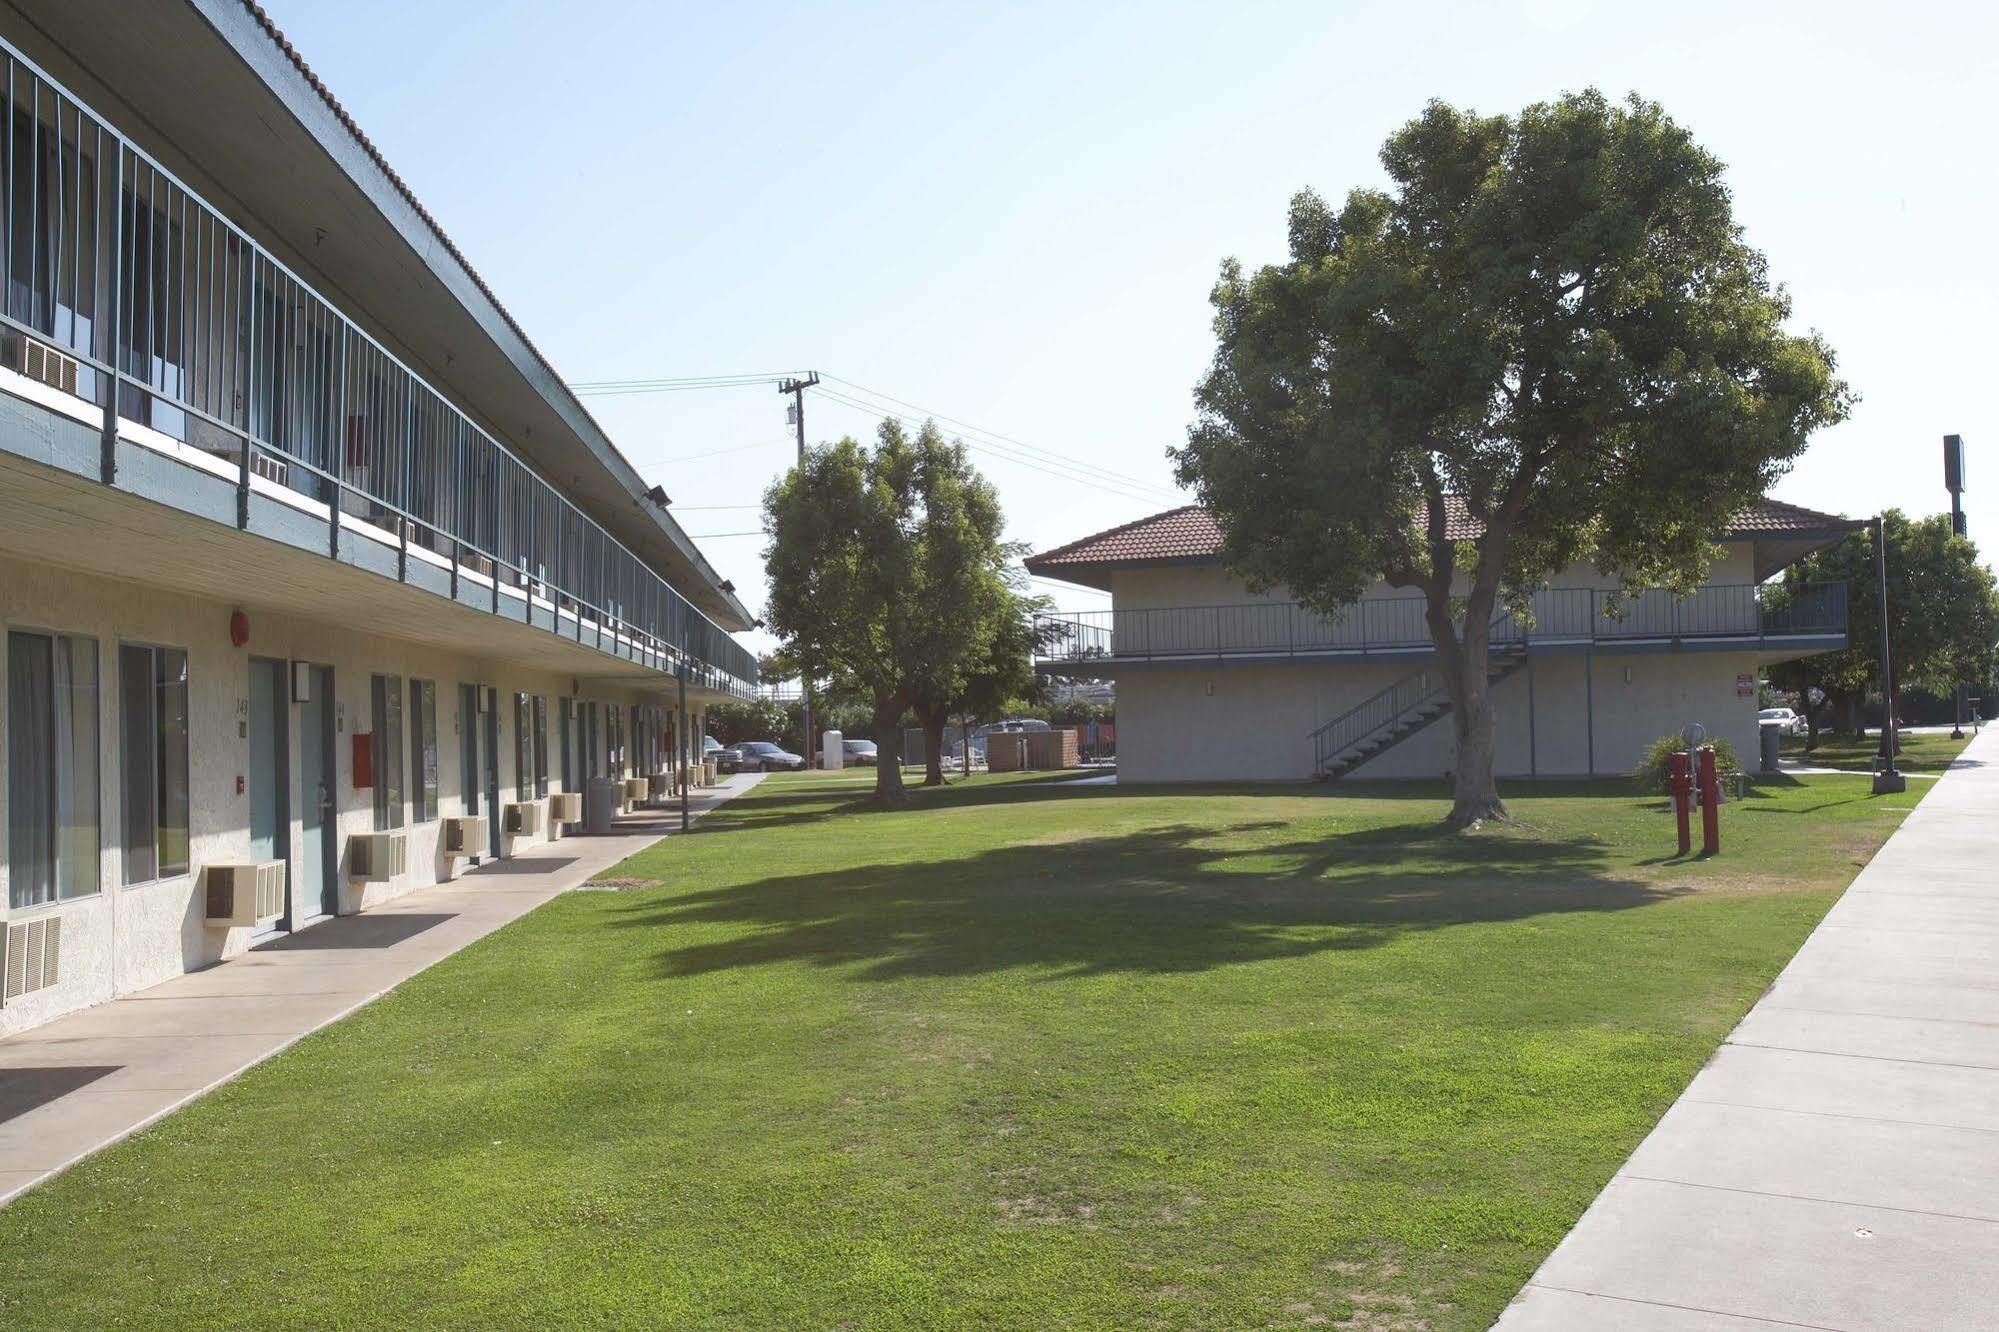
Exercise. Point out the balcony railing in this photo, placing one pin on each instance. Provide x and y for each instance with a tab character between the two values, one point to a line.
177	321
1748	611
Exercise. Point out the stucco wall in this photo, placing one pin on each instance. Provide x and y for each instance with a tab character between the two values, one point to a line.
126	938
1254	722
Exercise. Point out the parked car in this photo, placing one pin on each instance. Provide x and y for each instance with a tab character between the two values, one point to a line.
1793	723
1010	726
758	756
710	747
858	752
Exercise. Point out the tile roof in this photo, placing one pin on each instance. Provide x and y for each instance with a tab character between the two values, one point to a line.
1188	535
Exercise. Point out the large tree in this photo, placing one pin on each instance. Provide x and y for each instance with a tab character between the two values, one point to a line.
1001	671
1550	320
871	555
1943	616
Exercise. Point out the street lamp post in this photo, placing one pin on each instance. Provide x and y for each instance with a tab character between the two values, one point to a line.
1887	780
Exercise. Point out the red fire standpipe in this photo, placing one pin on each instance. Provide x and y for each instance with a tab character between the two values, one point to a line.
1679	780
1710	803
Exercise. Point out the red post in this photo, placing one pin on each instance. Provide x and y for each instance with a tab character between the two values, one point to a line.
1710	803
1679	780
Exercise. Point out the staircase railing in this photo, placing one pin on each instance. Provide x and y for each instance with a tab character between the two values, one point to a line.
1373	714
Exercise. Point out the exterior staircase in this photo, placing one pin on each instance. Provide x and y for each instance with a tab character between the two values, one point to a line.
1378	724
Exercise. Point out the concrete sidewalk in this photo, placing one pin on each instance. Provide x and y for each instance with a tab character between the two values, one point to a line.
76	1085
1836	1164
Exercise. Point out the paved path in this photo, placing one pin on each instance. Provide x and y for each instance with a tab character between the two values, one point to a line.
1836	1164
76	1085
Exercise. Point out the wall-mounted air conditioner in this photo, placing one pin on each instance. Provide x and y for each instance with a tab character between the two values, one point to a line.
246	894
637	788
565	807
660	785
34	956
38	360
380	855
465	835
523	819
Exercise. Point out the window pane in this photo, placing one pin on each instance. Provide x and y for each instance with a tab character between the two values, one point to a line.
172	705
523	752
423	732
540	746
388	752
79	842
31	771
136	735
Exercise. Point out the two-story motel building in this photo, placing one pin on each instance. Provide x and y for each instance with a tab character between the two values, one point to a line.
1215	683
316	582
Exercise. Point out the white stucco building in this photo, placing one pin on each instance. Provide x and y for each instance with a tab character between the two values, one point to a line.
308	560
1217	684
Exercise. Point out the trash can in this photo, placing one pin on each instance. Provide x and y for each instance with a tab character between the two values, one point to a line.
1771	746
600	803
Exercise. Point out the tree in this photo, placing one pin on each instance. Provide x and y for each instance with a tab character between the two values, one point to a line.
1001	672
1943	616
1551	323
870	556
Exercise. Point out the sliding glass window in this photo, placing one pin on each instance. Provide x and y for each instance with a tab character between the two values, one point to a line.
423	748
53	839
540	746
153	749
388	701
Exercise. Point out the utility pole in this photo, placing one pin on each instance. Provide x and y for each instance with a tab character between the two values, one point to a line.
1953	481
796	388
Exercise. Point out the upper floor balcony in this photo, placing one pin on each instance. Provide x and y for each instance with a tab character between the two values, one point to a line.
135	307
1809	617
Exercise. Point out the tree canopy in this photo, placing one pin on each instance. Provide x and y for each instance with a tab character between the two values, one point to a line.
873	556
1551	321
1943	614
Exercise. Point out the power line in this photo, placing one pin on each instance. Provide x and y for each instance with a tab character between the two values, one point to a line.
610	387
1126	489
1050	454
717	536
715	453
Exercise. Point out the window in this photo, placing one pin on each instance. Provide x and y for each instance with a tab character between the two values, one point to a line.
53	842
152	729
423	747
567	713
388	752
540	746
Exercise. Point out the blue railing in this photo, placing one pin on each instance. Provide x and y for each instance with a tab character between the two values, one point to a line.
1754	611
173	318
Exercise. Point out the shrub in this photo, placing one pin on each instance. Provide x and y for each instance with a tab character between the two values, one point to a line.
1656	768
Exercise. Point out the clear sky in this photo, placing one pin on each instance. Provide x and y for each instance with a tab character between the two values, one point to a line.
1012	214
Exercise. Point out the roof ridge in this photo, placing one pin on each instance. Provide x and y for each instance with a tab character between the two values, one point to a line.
1119	530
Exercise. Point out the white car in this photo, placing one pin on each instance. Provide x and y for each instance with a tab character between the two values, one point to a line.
1792	722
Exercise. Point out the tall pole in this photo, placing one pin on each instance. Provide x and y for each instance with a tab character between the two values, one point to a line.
686	733
796	388
1953	480
1887	780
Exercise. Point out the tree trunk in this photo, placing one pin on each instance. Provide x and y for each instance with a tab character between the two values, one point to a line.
1474	789
933	746
888	750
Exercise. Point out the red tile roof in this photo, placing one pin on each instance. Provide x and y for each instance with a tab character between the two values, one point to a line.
1188	535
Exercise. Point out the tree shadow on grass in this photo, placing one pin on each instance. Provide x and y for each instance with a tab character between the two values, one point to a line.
1179	898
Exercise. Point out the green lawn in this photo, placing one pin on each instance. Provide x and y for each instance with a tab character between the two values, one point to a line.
1019	1057
1928	751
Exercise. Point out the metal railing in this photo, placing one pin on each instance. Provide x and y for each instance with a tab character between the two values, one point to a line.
1397	624
178	321
1373	714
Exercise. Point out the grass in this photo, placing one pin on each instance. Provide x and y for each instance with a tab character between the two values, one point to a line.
1023	1056
1923	751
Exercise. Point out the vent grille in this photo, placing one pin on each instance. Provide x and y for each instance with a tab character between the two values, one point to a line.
271	469
464	835
523	818
271	890
38	361
34	955
249	894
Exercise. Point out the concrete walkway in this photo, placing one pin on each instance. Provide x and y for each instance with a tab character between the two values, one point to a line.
1836	1164
80	1083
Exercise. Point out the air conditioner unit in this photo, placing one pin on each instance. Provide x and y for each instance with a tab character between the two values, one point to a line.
34	956
465	836
38	361
248	894
523	818
271	469
565	807
381	855
637	788
660	784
